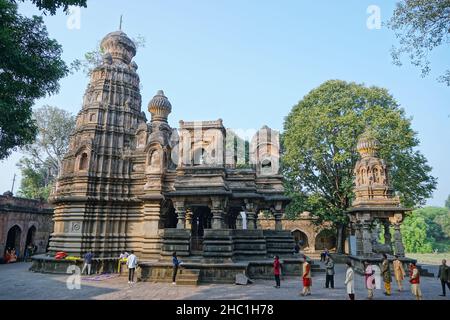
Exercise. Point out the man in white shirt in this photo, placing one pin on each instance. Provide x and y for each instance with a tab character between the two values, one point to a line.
131	264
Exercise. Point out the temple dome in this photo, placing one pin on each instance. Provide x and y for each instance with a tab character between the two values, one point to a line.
120	46
368	145
160	107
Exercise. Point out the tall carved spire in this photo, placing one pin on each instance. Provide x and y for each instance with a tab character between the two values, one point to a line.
371	174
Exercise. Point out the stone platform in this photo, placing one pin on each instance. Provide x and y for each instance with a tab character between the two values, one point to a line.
218	272
47	264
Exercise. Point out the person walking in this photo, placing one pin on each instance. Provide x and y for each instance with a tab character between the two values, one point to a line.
277	271
349	281
415	281
329	277
88	256
369	279
387	276
132	262
306	277
176	263
444	276
399	273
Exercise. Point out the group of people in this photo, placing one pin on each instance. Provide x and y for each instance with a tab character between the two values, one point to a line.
10	256
129	259
399	274
369	276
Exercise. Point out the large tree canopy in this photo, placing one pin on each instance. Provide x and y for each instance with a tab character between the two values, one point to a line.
421	26
447	203
30	68
52	5
41	164
319	150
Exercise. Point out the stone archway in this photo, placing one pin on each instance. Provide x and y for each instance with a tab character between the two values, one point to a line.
301	238
325	239
30	238
13	238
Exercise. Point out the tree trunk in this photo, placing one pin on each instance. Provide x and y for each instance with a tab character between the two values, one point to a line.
340	239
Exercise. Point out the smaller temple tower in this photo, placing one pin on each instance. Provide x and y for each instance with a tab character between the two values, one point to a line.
375	203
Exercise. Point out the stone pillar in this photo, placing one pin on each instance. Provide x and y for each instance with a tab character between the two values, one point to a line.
387	233
218	213
239	222
181	214
366	239
251	215
278	214
278	223
189	219
358	237
398	242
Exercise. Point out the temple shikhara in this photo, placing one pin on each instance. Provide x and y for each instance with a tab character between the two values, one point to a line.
130	184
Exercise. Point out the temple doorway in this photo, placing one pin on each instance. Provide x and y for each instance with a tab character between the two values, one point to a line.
13	239
326	239
201	220
30	238
301	238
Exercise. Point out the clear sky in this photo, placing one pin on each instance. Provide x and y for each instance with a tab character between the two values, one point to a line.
249	62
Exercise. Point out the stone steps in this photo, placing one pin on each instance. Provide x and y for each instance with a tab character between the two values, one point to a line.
188	277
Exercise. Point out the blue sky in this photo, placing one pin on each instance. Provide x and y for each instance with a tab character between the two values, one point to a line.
248	62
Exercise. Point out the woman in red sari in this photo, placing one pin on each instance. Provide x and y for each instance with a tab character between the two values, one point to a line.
7	255
307	282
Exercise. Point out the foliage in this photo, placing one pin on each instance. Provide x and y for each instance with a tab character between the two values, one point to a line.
414	233
447	203
421	26
93	58
41	164
436	223
30	68
319	149
52	5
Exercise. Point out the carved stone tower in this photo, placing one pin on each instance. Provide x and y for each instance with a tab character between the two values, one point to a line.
92	197
375	201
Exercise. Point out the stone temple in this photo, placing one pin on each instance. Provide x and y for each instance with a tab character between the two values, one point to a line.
375	205
129	184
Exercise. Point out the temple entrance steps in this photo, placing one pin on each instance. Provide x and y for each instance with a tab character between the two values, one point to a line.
279	243
316	267
188	277
248	244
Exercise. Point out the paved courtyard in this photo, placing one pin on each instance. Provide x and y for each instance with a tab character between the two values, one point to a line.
16	282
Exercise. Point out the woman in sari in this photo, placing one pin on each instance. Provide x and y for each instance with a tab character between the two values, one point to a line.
306	278
7	255
369	279
13	256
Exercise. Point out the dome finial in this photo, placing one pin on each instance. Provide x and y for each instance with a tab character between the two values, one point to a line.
160	107
368	144
120	46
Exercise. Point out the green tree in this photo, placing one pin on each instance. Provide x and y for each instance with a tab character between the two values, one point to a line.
319	150
421	26
41	164
52	5
30	65
414	232
447	203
